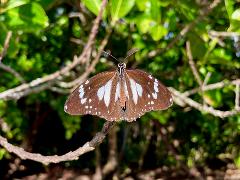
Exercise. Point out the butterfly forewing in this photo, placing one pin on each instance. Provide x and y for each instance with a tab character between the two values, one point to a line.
94	96
147	94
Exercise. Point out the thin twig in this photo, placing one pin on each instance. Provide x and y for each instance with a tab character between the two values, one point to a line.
223	34
23	89
200	107
192	64
213	86
186	29
206	79
6	45
89	69
72	155
4	51
237	97
12	71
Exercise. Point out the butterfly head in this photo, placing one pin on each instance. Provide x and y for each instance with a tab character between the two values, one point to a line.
121	68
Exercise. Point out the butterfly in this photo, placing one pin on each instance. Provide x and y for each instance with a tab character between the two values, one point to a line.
122	94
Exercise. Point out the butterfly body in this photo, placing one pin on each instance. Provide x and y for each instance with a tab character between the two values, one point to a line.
119	95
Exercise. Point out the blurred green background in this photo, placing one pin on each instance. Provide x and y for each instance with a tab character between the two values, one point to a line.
181	141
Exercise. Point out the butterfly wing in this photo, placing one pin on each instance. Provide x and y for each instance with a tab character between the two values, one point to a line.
94	96
146	94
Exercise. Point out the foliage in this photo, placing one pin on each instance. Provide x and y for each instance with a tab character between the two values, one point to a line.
42	43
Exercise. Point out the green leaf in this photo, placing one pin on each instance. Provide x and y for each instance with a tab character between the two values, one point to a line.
93	5
13	4
237	161
229	7
157	32
155	11
141	4
143	24
29	17
236	15
120	8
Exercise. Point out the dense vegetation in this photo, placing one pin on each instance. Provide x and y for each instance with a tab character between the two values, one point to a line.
193	47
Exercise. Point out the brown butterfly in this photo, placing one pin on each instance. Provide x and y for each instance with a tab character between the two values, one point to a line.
119	95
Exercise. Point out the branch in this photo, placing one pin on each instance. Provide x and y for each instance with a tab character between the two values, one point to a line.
223	34
6	45
89	69
213	86
186	29
192	64
19	91
237	97
4	51
182	98
72	155
12	71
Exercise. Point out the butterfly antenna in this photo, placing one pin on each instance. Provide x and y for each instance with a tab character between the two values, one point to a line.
110	55
131	53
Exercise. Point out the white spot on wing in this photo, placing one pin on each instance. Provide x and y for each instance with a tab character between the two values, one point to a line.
104	92
150	76
126	90
107	92
154	95
81	91
156	85
139	89
83	100
134	90
100	93
117	94
87	82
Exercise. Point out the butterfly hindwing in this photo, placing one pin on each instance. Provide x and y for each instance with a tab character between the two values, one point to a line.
147	94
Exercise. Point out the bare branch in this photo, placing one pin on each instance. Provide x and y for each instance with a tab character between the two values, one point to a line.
192	64
213	86
223	34
200	107
206	79
5	67
22	90
186	29
72	155
89	69
6	45
12	71
237	97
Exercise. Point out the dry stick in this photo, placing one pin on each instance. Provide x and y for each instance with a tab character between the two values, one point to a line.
6	45
186	29
12	71
91	67
192	64
237	97
112	161
223	34
72	155
200	107
208	87
19	91
4	52
206	79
